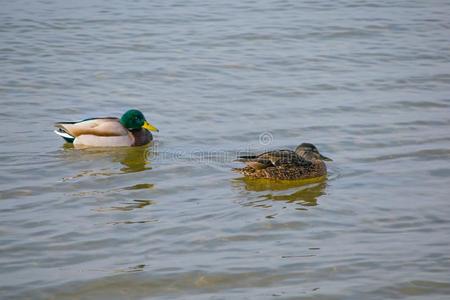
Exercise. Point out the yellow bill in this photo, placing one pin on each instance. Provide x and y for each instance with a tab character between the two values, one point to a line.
149	126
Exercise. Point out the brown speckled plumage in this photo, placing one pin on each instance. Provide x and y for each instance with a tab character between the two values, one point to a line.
306	162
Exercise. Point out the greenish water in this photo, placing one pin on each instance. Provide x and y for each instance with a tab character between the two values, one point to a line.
368	82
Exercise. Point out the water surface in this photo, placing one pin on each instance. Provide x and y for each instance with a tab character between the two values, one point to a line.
368	82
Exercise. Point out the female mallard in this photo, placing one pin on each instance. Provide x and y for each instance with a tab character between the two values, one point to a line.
130	130
303	163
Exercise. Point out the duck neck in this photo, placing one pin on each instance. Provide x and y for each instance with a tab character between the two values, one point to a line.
308	156
141	136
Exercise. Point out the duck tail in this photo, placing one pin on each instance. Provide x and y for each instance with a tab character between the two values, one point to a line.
64	134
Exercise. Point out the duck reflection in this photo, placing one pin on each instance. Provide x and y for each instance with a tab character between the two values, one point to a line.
129	206
132	159
302	192
115	192
137	268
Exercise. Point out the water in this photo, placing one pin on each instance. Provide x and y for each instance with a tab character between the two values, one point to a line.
367	81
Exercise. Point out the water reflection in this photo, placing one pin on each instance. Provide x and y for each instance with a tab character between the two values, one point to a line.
118	191
137	268
134	159
302	192
131	159
139	186
129	206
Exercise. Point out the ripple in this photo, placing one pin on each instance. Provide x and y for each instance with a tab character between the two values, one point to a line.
416	288
425	155
125	222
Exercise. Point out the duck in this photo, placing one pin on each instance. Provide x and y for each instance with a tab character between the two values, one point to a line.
132	129
305	162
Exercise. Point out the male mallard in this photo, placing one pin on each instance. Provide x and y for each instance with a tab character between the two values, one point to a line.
305	162
130	130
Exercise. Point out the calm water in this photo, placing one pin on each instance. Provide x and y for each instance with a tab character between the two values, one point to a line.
367	81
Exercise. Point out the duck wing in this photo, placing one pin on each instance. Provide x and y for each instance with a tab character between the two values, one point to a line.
96	126
270	159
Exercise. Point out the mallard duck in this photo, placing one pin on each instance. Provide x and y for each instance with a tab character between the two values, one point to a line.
130	130
303	163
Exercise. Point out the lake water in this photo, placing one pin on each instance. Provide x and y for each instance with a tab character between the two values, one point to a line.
368	82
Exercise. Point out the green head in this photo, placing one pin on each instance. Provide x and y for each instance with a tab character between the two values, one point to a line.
310	152
134	119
